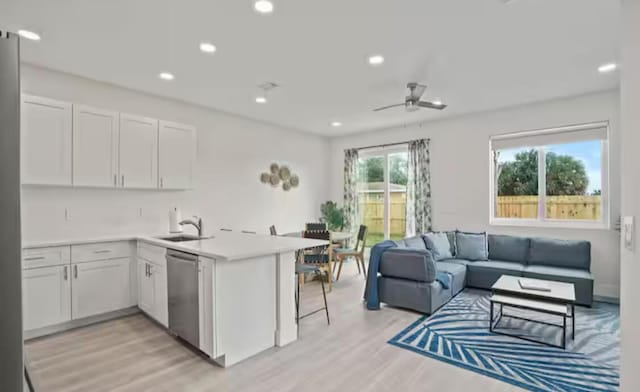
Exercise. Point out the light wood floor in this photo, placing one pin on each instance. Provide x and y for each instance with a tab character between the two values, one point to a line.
134	354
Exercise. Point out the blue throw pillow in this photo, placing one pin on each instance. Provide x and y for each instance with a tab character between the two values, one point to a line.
472	246
438	244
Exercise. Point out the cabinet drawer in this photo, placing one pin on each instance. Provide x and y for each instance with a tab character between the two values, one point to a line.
100	251
45	257
152	253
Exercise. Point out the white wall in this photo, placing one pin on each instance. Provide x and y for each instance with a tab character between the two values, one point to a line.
460	169
232	152
630	173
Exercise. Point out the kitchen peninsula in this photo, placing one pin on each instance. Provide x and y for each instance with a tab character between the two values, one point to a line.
245	287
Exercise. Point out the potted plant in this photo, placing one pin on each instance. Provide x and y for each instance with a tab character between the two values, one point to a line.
332	215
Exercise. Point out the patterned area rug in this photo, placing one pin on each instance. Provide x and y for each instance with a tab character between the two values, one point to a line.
459	334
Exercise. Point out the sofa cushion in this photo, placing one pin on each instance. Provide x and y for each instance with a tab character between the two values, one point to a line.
438	244
420	296
415	242
458	274
413	264
452	240
471	246
483	274
581	279
508	248
456	261
560	253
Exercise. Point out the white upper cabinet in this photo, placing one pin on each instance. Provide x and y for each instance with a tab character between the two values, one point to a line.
95	147
138	152
177	151
79	145
46	129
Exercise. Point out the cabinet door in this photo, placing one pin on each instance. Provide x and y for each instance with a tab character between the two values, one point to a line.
177	154
100	287
161	297
145	289
46	296
46	130
95	147
138	152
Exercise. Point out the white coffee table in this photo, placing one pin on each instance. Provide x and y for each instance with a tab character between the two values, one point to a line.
559	300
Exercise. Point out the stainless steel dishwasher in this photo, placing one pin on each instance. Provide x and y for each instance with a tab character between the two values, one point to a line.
182	279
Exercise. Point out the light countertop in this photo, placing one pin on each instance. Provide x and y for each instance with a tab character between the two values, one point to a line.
221	245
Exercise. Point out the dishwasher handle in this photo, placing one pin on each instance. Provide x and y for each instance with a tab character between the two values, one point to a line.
182	256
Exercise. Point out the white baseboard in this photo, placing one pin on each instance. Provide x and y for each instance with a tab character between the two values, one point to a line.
607	291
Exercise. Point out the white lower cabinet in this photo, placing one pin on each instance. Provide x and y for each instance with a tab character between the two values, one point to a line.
46	296
152	283
100	286
145	288
66	283
161	303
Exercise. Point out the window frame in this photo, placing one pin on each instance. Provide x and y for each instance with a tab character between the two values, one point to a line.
542	220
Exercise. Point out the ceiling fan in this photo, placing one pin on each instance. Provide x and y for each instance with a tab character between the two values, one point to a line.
412	102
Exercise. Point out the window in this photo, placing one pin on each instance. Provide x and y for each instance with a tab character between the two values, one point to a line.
382	193
555	177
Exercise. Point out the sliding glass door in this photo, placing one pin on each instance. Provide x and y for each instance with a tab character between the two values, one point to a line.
382	193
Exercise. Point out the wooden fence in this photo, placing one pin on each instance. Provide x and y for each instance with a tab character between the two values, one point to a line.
558	207
372	213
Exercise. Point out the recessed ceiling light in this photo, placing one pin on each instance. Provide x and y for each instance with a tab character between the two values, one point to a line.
336	124
166	76
376	59
261	99
263	6
29	35
437	102
609	67
207	47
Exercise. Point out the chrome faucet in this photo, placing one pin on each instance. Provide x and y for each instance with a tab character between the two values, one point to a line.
197	223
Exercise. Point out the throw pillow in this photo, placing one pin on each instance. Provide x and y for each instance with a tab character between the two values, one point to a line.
472	246
438	244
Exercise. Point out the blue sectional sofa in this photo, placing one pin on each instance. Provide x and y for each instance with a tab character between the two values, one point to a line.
407	273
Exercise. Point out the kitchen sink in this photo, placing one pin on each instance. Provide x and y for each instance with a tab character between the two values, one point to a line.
183	238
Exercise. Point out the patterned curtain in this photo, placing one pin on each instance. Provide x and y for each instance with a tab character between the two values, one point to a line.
350	189
418	188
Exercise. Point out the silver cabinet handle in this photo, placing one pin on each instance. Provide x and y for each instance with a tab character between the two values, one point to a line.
66	273
115	180
75	271
146	269
161	182
123	180
102	251
150	268
34	258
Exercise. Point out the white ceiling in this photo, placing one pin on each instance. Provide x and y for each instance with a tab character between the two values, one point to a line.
474	54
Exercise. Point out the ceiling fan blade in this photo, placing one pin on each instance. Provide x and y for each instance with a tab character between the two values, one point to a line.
388	107
418	90
431	105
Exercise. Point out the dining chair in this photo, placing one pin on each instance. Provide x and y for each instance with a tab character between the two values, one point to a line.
302	269
315	226
357	252
320	256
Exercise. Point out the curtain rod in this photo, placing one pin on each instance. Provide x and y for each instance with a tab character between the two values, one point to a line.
385	145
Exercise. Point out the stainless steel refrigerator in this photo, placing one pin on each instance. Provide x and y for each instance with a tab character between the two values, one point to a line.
11	347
